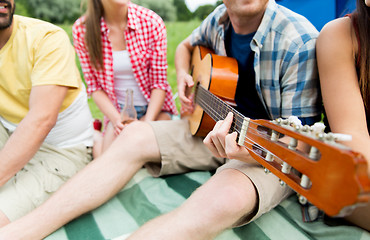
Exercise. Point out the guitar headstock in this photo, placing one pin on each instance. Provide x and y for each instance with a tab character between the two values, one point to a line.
311	162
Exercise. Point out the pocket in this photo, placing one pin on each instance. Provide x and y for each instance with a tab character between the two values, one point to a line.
63	162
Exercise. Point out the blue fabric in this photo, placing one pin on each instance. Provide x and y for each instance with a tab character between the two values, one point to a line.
320	12
140	110
246	97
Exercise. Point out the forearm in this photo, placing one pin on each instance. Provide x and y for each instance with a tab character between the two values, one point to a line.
182	58
105	105
155	105
360	143
23	144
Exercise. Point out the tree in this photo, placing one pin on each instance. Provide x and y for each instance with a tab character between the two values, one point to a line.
203	11
56	11
21	8
164	8
219	2
182	11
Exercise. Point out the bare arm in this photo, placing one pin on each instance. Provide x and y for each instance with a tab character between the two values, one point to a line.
157	98
184	80
32	130
107	108
339	84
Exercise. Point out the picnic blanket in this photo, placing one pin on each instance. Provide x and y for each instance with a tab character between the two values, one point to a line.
145	197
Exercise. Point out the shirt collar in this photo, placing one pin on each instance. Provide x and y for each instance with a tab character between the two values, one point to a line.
132	17
266	23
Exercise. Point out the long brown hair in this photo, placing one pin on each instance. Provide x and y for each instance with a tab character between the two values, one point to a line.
93	41
362	18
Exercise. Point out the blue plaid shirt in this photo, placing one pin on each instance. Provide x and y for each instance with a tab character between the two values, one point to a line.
284	59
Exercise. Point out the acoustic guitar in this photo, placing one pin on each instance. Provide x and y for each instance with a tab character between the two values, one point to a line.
328	174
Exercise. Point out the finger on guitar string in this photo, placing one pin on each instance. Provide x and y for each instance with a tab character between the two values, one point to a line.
213	142
185	83
235	151
224	128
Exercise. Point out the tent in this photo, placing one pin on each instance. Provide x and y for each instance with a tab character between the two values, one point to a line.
319	12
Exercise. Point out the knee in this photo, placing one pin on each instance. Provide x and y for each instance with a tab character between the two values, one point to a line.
236	197
137	142
135	132
4	220
234	201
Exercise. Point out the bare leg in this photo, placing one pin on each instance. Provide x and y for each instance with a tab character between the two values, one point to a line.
361	217
92	186
3	219
163	116
214	207
109	137
98	144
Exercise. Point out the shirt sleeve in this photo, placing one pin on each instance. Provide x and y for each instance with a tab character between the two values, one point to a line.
300	91
54	61
158	66
82	53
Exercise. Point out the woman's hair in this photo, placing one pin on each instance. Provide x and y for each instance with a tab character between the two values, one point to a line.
362	17
93	15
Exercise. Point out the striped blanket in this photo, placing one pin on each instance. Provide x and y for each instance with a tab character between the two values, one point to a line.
145	198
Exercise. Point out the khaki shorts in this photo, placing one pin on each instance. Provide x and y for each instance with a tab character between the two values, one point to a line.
42	176
181	152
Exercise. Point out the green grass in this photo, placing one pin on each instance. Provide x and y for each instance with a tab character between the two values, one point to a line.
176	32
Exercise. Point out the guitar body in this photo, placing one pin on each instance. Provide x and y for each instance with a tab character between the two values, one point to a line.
219	75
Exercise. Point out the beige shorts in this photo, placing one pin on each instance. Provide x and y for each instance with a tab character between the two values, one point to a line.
181	152
42	176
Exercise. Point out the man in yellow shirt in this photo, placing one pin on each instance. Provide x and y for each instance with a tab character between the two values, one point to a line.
45	123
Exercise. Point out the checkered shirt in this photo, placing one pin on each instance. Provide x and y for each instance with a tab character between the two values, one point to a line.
147	46
284	59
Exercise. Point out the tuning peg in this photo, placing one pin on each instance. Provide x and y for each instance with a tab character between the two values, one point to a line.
282	183
305	128
314	153
302	200
294	121
305	181
342	137
318	127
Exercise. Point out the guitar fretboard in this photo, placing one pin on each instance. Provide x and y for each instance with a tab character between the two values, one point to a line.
216	108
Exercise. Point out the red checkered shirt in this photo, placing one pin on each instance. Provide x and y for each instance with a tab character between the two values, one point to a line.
147	46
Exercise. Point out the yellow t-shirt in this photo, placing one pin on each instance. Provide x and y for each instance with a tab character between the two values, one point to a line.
37	53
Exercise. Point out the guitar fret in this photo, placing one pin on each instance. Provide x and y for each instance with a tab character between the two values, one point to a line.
217	109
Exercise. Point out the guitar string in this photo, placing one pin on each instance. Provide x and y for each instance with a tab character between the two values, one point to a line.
239	118
255	146
215	115
247	139
250	143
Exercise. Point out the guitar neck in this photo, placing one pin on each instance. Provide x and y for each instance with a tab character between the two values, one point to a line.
216	108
